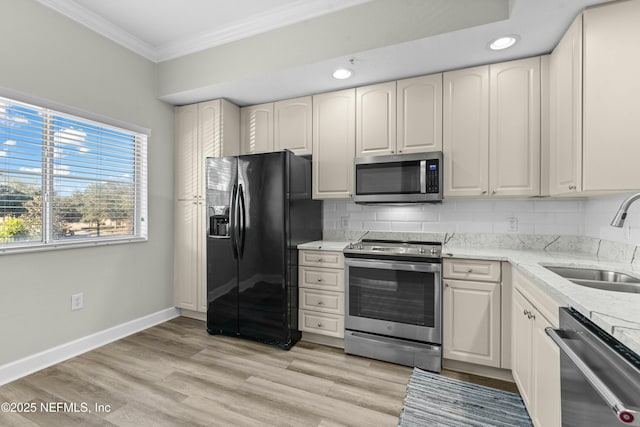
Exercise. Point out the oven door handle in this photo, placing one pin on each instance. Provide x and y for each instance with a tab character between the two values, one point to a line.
625	415
426	267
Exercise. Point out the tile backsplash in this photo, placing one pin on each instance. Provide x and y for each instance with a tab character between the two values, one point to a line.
582	217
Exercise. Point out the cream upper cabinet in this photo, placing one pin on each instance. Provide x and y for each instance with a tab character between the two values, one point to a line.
256	128
611	97
514	128
333	144
466	132
292	125
491	136
376	119
419	114
565	113
208	129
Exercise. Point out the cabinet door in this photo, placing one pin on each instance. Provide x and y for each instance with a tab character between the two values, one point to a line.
565	113
186	152
419	114
472	322
256	129
466	132
292	125
333	144
611	103
376	119
521	350
187	255
546	394
514	128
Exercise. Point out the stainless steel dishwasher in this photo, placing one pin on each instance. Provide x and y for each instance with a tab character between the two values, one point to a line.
600	377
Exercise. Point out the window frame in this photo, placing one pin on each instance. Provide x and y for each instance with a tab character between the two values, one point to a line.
140	183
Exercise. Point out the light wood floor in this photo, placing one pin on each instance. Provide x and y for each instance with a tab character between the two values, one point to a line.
175	374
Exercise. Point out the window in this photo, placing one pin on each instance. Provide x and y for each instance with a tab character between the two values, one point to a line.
66	180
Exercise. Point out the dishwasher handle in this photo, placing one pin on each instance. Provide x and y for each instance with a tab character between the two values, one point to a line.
625	415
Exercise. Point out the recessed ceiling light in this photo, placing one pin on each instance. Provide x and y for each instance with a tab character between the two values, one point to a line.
503	42
342	73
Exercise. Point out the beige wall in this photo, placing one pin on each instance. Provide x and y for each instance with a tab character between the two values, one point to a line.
46	55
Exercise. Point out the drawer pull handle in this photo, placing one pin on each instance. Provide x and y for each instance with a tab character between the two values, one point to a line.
320	303
319	325
319	280
319	260
470	270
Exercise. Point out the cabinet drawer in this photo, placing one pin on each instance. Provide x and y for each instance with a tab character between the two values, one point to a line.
470	269
321	323
326	301
321	259
321	278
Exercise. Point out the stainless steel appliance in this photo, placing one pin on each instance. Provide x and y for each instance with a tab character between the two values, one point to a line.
393	302
402	178
260	209
600	377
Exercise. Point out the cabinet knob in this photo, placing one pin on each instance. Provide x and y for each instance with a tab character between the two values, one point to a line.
493	192
399	151
320	303
392	151
572	187
319	325
319	280
470	270
484	192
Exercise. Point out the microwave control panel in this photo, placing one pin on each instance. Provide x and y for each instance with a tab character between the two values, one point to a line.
433	176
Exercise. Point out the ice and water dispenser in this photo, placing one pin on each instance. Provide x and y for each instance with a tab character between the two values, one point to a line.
219	221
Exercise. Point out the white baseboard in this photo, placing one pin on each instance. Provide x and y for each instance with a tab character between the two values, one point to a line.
30	364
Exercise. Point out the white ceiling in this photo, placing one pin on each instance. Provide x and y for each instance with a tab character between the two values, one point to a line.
165	29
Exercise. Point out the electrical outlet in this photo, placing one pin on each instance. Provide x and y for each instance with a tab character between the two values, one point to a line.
513	224
77	301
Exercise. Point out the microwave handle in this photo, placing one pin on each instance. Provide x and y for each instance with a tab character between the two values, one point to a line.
423	176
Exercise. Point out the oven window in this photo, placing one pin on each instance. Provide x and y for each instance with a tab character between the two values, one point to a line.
392	295
388	178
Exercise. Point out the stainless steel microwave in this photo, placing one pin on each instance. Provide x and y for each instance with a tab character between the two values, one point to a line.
402	178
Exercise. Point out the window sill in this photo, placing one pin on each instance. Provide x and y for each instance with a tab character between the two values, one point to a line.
40	247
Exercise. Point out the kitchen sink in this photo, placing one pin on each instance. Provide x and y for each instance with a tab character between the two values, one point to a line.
607	280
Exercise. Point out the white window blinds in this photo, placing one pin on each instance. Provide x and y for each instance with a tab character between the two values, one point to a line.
68	180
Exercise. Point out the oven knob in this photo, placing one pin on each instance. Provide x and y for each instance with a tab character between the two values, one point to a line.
359	246
350	245
433	251
421	250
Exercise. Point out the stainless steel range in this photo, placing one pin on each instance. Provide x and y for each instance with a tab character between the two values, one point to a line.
393	302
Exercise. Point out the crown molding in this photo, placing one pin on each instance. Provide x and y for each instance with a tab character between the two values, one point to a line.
298	11
292	13
95	22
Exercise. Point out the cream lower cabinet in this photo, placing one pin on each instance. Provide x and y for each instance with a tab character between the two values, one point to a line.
208	129
334	133
472	311
321	292
535	357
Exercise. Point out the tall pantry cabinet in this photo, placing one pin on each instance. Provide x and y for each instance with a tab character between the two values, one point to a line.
208	129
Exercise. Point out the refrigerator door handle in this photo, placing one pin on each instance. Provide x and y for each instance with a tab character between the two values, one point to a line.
241	221
233	223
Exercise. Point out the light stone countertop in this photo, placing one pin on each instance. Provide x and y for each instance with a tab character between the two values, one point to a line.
324	245
618	313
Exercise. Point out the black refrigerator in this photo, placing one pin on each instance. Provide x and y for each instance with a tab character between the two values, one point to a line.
259	208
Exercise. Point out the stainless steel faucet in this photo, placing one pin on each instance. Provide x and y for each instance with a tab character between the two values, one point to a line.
621	215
